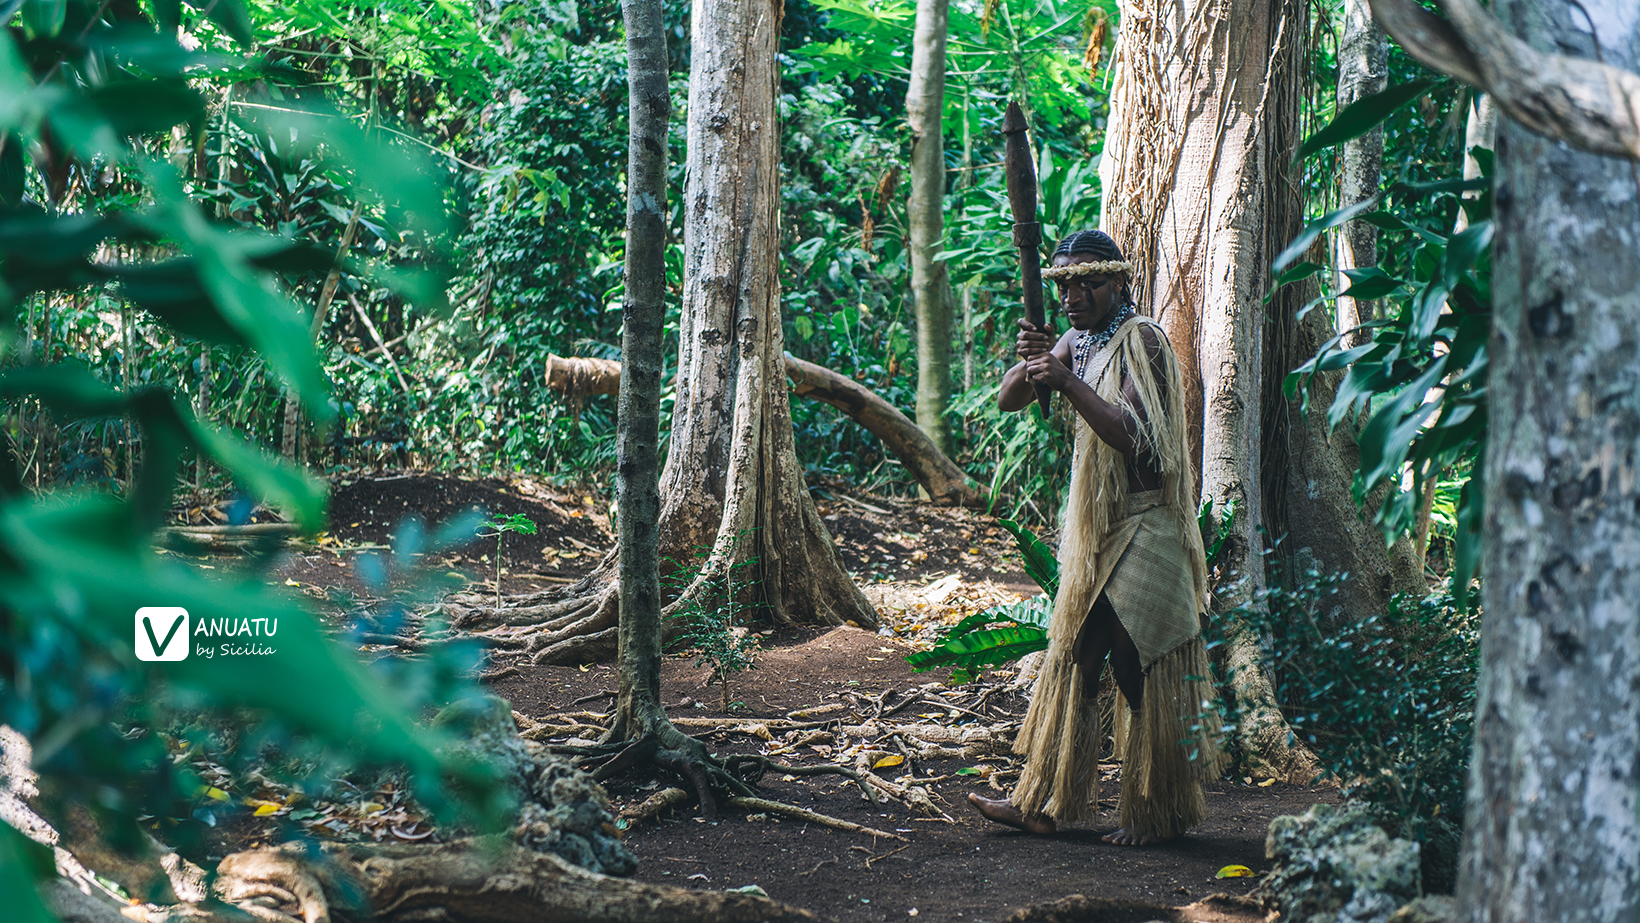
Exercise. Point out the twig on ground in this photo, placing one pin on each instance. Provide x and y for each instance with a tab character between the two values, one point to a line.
734	763
871	859
818	866
607	693
824	820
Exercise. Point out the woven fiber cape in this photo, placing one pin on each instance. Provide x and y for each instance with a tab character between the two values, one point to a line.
1144	551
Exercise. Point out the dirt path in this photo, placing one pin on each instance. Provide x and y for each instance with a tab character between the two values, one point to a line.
923	567
967	870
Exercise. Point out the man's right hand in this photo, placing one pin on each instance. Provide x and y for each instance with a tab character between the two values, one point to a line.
1032	340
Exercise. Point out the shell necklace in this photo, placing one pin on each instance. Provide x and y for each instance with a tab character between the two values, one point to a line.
1090	340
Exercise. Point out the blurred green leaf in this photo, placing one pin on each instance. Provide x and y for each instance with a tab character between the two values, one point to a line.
1364	115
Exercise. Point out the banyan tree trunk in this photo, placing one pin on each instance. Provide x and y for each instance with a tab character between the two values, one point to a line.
732	491
1203	98
732	481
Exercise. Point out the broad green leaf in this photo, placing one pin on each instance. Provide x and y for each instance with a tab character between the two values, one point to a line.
1041	563
1466	554
1370	284
1301	271
146	106
1364	115
44	18
1301	243
1464	249
1386	438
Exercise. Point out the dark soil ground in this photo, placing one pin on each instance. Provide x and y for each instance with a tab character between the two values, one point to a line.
965	870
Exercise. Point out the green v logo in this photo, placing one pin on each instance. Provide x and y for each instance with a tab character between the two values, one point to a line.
173	621
160	646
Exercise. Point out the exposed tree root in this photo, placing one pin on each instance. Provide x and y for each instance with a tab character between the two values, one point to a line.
467	881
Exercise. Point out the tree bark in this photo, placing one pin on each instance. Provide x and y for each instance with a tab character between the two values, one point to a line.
732	481
1363	69
1188	170
1480	129
925	215
1553	832
637	432
732	487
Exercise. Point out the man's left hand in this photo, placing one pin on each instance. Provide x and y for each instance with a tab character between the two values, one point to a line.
1046	369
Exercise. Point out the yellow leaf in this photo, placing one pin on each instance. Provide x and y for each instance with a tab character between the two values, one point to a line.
585	667
887	761
1267	783
211	791
263	810
290	582
1235	871
371	807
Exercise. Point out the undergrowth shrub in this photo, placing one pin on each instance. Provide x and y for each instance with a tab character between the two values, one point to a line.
1386	702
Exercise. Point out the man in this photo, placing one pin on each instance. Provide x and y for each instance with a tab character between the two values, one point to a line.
1133	578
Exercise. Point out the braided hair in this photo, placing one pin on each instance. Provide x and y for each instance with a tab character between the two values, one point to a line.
1097	243
1102	248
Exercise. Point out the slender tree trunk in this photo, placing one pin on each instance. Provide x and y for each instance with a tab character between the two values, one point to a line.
1480	129
1363	69
930	285
1553	832
643	315
732	481
1188	167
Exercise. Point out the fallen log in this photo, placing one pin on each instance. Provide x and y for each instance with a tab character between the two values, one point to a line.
579	378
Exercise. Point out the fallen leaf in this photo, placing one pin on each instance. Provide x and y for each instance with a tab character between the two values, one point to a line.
1267	783
290	582
585	667
1235	871
969	771
211	791
263	810
893	759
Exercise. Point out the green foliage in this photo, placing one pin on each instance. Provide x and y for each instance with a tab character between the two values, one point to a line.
75	566
1421	379
1363	116
971	645
713	619
1387	703
1214	535
517	522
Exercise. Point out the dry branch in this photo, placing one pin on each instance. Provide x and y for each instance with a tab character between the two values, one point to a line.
577	378
788	810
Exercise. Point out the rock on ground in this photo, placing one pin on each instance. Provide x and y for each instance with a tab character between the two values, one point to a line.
561	809
1333	864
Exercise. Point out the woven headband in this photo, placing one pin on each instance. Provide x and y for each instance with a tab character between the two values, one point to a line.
1099	268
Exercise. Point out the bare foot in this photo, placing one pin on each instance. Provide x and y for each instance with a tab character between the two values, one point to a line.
1005	813
1128	837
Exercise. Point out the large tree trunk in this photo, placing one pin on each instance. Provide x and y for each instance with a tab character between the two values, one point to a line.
925	213
732	488
1363	69
1188	171
1553	832
732	481
637	433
